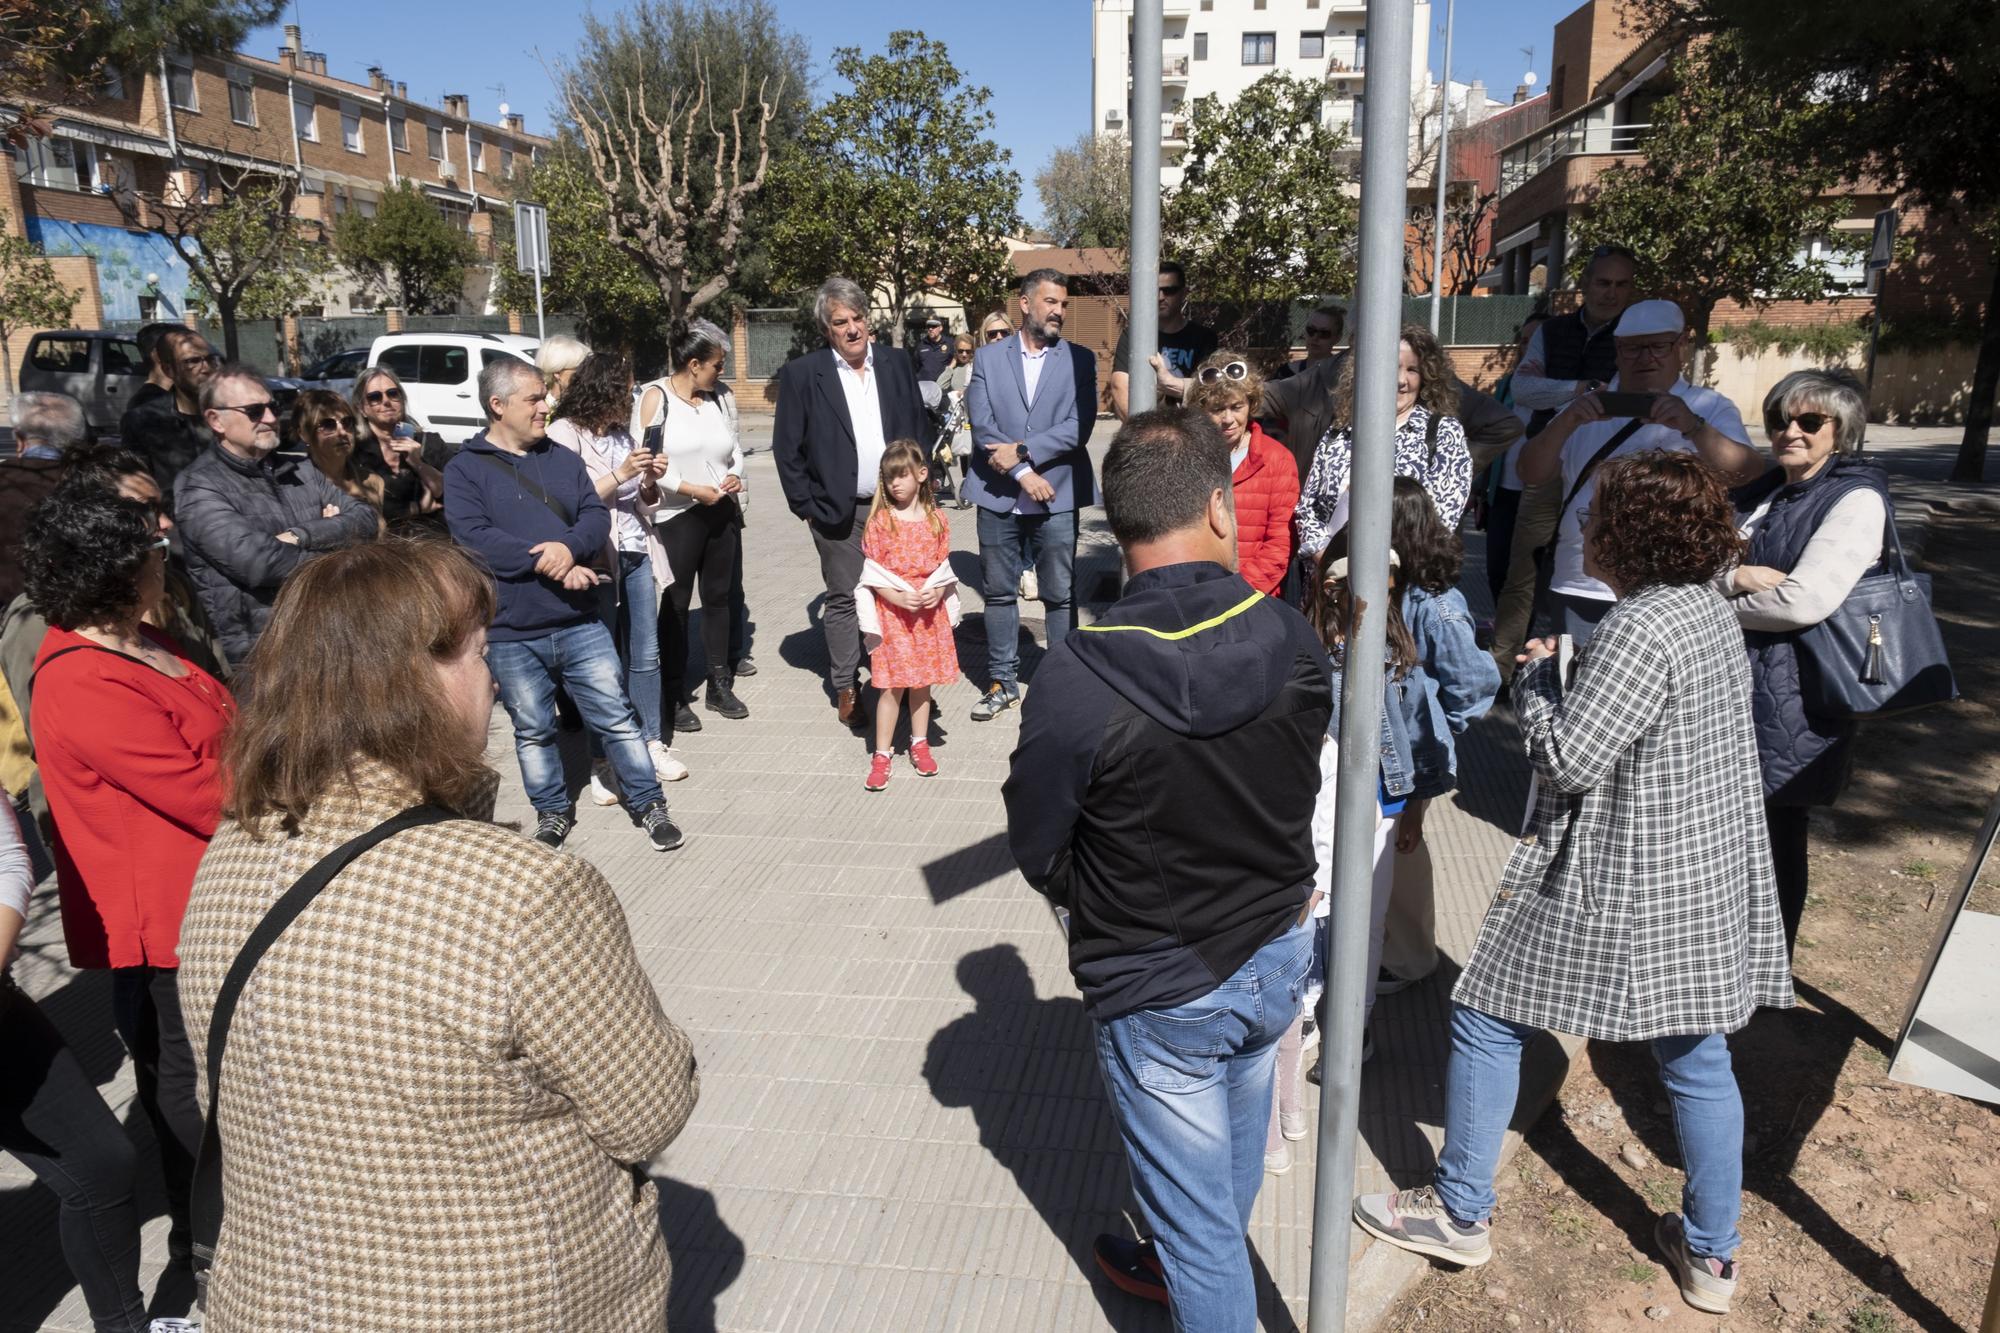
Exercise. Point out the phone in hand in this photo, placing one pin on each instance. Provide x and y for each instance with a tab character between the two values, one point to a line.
1638	405
654	438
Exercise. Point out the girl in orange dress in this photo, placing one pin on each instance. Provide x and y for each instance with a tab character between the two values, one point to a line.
907	536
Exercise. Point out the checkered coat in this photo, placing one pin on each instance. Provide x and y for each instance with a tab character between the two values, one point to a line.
437	1083
1639	900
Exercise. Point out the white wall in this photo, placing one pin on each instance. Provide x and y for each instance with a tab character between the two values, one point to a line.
1338	24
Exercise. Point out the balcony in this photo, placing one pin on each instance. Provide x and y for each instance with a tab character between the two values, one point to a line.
1173	130
1173	69
1528	159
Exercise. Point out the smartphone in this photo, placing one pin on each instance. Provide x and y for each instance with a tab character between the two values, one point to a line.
655	436
1627	404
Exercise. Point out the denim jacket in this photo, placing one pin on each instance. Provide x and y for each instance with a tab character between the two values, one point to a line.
1413	764
1461	678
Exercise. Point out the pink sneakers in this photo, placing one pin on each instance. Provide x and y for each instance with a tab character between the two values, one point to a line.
920	758
878	772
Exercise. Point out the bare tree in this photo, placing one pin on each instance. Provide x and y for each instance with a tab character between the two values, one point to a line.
646	165
1467	212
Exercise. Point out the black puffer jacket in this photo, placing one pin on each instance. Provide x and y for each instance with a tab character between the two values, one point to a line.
1164	785
230	512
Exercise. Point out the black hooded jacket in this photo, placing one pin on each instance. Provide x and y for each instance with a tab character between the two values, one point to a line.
1164	783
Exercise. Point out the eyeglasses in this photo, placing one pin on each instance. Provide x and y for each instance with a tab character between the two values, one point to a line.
1312	332
1175	290
1655	351
995	335
379	395
337	424
1809	422
253	411
210	360
1235	370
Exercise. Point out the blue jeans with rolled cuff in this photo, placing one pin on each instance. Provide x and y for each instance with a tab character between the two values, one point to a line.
583	658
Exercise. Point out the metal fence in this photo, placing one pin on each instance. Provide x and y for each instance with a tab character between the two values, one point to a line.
1472	321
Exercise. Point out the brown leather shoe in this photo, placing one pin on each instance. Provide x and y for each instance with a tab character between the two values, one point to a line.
848	704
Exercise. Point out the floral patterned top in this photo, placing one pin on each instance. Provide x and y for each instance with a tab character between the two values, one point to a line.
1445	473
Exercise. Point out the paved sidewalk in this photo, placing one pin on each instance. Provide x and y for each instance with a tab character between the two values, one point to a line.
901	1123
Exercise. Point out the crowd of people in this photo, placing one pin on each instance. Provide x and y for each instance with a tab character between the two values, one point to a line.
169	763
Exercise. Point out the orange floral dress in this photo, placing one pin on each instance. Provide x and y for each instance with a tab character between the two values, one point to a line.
917	647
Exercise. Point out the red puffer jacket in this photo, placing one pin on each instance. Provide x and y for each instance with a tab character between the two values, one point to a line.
1267	490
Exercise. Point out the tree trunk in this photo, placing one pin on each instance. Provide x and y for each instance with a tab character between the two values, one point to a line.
1971	465
225	310
1700	313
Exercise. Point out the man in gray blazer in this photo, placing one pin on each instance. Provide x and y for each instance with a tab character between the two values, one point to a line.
1031	403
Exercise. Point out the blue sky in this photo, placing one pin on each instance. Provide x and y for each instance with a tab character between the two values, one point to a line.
1033	54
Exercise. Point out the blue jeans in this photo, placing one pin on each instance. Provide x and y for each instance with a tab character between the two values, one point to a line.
630	609
1484	1078
1008	544
584	659
1191	1091
1580	616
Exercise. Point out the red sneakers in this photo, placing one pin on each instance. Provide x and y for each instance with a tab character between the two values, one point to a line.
920	758
878	772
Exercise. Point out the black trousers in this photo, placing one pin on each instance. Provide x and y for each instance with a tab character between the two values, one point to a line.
53	1120
146	1006
704	545
1789	825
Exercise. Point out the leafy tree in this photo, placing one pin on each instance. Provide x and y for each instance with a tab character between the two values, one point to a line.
31	295
1726	198
408	251
616	304
1086	192
897	183
1906	99
235	229
53	51
1263	211
678	107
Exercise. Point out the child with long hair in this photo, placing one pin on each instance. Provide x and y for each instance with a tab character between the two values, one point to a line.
1412	765
908	546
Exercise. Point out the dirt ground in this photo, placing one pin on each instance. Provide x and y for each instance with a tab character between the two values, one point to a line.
1868	1205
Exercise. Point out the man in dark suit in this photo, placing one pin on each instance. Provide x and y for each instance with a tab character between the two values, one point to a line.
837	411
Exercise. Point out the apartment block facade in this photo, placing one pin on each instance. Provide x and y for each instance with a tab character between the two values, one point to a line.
1221	47
205	121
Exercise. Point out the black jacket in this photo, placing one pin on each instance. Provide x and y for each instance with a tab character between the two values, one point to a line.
1164	783
812	436
154	429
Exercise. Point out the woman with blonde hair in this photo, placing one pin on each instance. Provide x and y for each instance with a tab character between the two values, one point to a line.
557	358
393	447
433	1090
993	328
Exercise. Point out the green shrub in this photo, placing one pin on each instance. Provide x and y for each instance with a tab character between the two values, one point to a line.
1826	343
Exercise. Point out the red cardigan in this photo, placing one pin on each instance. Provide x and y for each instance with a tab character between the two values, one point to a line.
132	762
1266	484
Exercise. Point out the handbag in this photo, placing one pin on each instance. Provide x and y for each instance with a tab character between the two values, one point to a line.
1880	651
206	1190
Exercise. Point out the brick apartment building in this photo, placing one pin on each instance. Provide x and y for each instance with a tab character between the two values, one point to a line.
348	142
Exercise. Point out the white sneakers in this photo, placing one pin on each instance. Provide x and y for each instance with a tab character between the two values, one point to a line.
603	789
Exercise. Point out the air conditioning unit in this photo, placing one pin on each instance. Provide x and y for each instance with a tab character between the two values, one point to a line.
1114	117
448	169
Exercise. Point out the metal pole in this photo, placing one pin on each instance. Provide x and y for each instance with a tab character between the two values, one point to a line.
1379	293
1443	177
1143	332
541	334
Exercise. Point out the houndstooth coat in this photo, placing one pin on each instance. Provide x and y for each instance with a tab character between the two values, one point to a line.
1639	901
436	1084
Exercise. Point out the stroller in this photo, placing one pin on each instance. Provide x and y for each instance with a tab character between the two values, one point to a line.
950	418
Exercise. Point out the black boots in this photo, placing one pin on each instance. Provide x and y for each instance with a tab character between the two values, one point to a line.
721	699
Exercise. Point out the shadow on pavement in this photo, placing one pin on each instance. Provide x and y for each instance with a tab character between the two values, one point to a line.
968	868
707	1256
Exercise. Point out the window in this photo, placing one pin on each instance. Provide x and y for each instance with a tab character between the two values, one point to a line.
402	360
111	175
443	365
180	85
434	141
1207	5
122	358
363	203
50	162
1312	46
488	355
1846	260
113	85
149	308
1312	4
477	148
1260	48
350	129
242	98
1258	4
1354	124
399	134
1361	48
63	356
1201	46
307	113
506	163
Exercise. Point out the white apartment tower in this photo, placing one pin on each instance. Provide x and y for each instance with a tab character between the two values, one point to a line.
1224	46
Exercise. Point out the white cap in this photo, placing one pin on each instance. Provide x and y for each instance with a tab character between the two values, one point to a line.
1644	317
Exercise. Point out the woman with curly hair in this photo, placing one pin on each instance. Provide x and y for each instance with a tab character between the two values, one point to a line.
1430	443
128	735
1638	904
1263	478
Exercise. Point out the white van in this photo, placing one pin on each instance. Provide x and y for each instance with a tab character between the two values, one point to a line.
440	372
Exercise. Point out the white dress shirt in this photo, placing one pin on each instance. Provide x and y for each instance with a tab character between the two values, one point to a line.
1031	365
864	409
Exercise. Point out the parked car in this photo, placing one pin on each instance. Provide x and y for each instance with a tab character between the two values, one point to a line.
440	372
100	369
342	365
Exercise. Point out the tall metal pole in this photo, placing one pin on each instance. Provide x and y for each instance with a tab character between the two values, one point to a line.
1143	332
1443	175
541	334
1379	292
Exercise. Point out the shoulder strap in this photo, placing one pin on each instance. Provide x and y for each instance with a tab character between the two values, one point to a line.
207	1189
1625	432
528	484
74	648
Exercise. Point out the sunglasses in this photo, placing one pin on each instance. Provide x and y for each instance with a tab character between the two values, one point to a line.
995	335
254	411
1235	370
1172	291
378	395
1809	422
337	424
